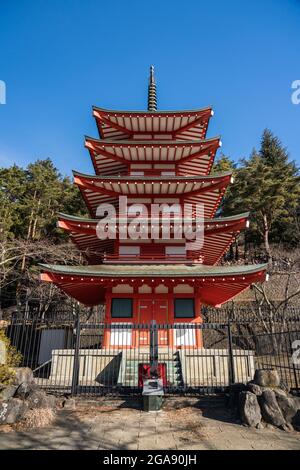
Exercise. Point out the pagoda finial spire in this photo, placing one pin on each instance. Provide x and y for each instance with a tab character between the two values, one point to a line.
152	100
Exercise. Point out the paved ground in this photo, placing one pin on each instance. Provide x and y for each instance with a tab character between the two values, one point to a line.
183	424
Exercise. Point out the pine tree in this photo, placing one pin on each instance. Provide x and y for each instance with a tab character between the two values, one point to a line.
29	201
12	193
267	184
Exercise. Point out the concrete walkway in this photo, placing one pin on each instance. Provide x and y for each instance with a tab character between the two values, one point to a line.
183	425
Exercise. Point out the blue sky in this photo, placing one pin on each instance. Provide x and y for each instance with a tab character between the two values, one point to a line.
58	58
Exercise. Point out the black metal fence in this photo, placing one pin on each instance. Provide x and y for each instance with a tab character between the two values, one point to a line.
84	357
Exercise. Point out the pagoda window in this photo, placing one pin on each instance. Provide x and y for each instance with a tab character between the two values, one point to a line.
121	308
184	308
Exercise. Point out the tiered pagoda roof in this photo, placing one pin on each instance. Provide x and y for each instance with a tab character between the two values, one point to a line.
172	125
208	190
190	158
153	157
217	284
218	236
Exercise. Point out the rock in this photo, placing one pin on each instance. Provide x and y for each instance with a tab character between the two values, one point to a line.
269	408
25	389
267	378
287	427
284	386
296	421
39	399
12	411
249	409
254	388
8	392
60	402
287	405
278	392
259	426
70	404
297	402
23	374
270	426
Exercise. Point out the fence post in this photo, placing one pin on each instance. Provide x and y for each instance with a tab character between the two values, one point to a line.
75	375
230	351
291	353
153	350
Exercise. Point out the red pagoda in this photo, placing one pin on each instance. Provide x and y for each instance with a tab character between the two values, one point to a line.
153	157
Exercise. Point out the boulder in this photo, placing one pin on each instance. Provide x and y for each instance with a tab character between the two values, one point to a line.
269	408
296	421
23	374
249	409
297	401
287	405
284	386
8	392
25	389
278	392
39	399
12	411
254	388
267	378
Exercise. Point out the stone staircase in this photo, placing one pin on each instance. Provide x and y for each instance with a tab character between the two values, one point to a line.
129	366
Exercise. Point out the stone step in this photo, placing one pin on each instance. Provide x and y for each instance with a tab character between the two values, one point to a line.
130	367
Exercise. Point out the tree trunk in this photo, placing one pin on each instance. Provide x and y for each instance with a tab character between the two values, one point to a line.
23	264
231	252
33	236
266	238
237	255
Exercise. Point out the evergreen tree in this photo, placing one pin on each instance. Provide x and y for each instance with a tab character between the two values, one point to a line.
267	184
29	201
221	165
12	193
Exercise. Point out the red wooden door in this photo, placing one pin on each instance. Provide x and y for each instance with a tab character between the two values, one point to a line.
153	310
145	317
160	307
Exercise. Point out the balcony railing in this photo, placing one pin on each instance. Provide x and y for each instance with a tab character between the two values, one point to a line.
151	259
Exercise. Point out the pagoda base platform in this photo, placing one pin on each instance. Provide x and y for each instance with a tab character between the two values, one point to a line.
122	368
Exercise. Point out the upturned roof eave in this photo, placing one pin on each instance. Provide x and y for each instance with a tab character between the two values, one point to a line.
243	215
108	143
158	112
157	271
152	178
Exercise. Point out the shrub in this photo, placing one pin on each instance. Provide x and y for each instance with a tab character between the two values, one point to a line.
36	418
13	359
